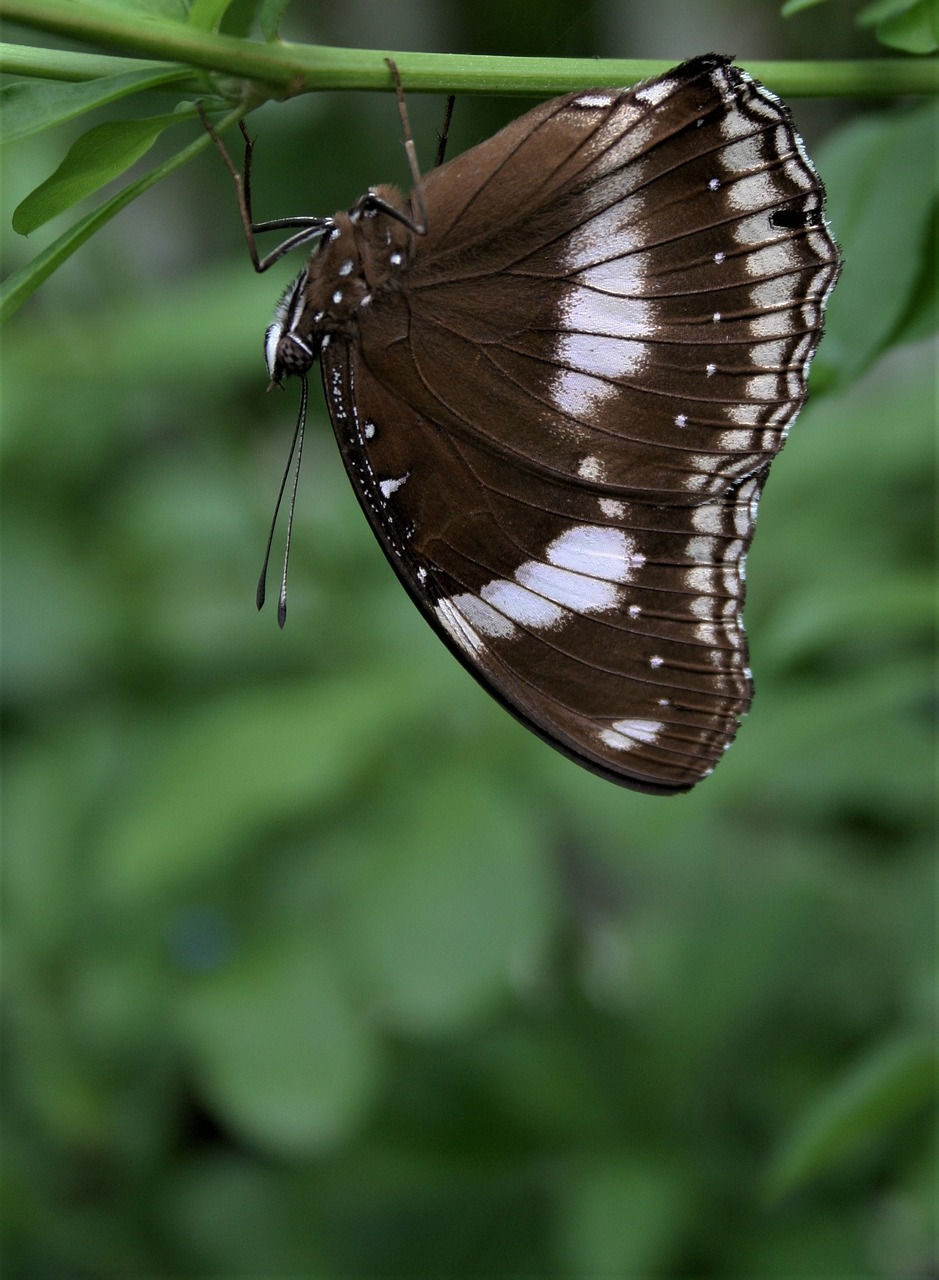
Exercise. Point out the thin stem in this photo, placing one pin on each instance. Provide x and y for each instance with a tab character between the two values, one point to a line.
63	64
296	68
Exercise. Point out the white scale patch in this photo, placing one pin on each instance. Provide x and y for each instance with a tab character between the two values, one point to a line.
456	617
625	735
590	468
603	325
771	261
765	386
595	100
701	580
579	575
707	519
741	441
702	607
653	94
388	487
701	549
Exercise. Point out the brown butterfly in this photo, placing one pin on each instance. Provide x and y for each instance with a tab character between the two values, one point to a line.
558	373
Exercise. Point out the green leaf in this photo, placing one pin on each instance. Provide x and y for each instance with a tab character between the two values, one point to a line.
29	106
175	10
915	31
873	14
207	15
22	283
226	771
796	6
881	193
454	901
880	1091
271	13
278	1050
99	156
921	319
621	1214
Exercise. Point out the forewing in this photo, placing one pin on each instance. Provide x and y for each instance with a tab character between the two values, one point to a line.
630	283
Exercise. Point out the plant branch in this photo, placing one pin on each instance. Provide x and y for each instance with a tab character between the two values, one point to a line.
296	68
62	64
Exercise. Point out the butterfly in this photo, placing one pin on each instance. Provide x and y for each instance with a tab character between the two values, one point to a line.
558	371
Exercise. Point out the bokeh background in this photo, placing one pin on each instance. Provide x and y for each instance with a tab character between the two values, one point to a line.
316	963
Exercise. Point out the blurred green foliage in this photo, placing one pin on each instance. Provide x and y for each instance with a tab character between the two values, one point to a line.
316	963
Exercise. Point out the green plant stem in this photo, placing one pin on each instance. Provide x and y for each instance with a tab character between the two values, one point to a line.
295	68
62	64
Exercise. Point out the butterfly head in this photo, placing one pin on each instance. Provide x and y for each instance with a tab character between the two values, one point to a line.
360	255
290	345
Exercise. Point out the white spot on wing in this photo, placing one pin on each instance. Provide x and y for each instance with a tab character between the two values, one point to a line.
603	319
612	509
656	92
580	574
595	550
590	468
388	487
595	100
574	591
521	605
625	735
466	618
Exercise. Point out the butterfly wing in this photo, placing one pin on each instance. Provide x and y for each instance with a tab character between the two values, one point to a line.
609	627
635	281
560	425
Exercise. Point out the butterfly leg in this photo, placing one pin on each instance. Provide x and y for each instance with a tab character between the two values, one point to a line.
420	227
310	228
444	132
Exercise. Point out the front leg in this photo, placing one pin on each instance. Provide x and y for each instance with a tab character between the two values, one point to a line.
310	228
